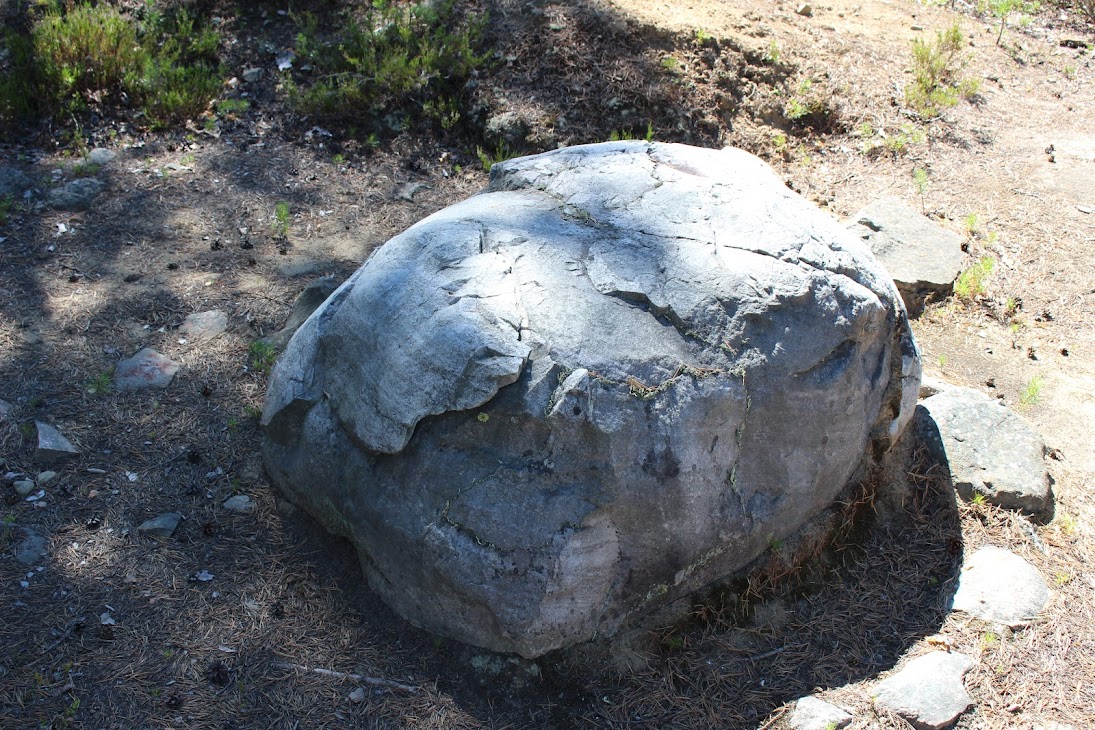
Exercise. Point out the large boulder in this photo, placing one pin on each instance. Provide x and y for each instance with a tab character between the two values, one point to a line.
610	380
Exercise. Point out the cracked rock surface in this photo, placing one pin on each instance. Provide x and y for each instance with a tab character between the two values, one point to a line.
604	383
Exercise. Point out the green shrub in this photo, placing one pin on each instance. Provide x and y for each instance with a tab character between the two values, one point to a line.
936	85
73	54
396	60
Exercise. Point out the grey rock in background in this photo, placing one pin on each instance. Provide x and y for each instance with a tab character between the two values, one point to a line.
204	325
13	183
75	195
928	691
922	257
146	369
998	585
593	390
161	526
988	449
814	714
52	446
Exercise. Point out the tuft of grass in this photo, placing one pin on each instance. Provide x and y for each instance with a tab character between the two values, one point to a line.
262	356
1032	392
937	65
772	53
627	134
971	283
396	61
490	159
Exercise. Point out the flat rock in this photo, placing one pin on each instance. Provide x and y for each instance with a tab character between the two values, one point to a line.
52	446
590	391
204	325
162	526
146	369
23	487
30	549
239	503
922	257
929	691
812	713
998	585
13	183
988	449
75	195
46	478
101	156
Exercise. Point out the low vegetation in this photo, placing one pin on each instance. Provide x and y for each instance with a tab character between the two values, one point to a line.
937	66
392	65
76	57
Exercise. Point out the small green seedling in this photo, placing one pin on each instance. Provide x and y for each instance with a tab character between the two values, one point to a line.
971	283
1032	392
99	385
281	220
262	356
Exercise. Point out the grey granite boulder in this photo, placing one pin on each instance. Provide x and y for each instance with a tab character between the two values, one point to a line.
928	691
922	257
605	383
988	449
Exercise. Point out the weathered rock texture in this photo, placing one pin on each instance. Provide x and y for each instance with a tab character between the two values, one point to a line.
598	387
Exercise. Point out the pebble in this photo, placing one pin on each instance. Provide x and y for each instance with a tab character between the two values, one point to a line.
239	503
5	409
251	75
162	526
52	446
146	369
46	478
24	487
998	585
30	548
929	691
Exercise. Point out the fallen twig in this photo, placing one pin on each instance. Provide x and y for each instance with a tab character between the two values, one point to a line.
374	681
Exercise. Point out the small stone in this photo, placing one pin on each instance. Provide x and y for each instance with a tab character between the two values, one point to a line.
407	190
929	691
814	714
357	696
508	129
46	478
76	195
988	449
5	410
162	526
805	10
204	325
998	585
30	548
146	369
24	487
251	75
101	156
52	446
239	503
